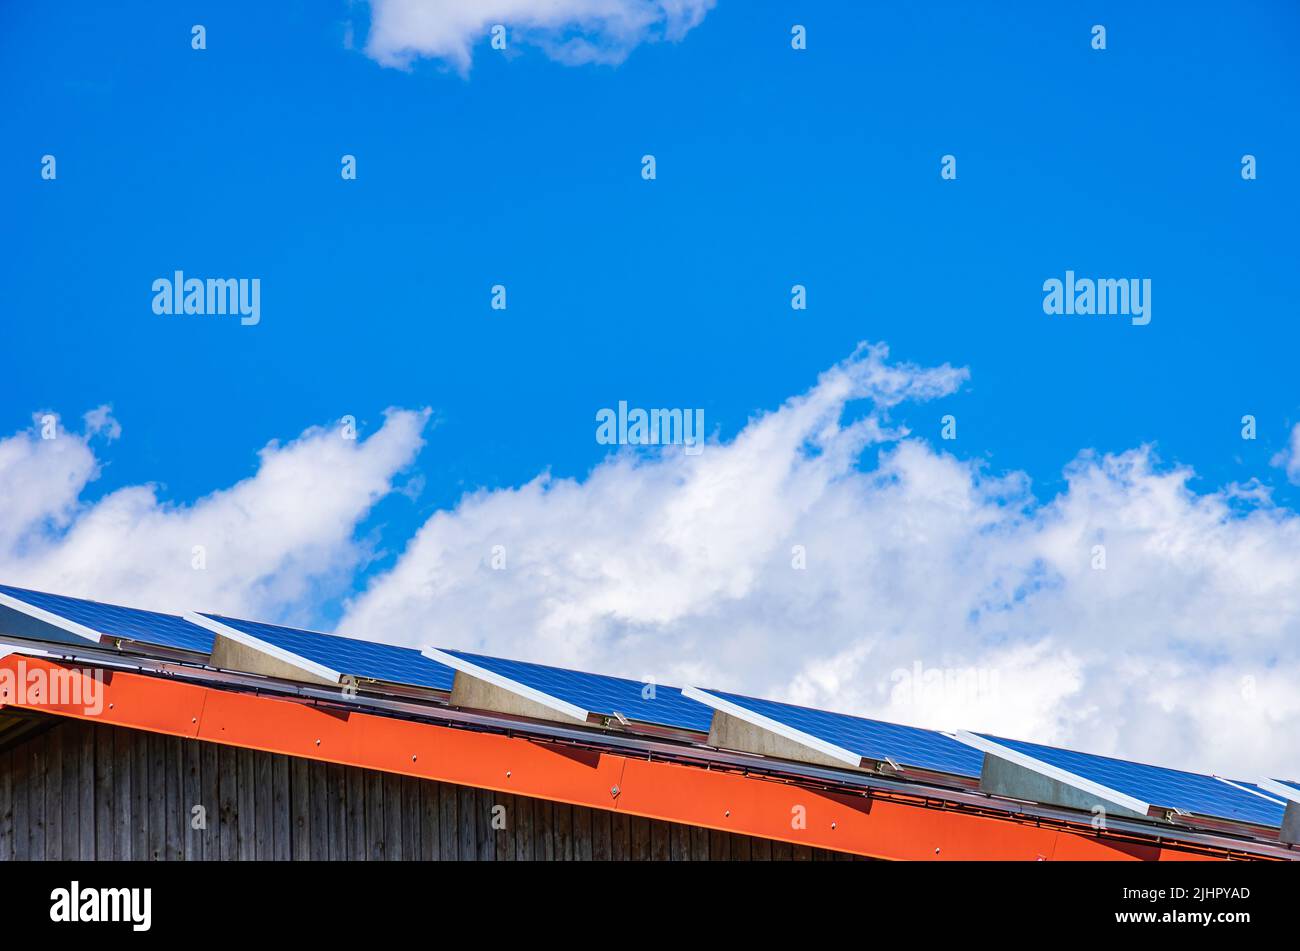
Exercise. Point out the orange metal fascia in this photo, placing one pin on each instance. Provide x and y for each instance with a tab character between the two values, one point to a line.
889	827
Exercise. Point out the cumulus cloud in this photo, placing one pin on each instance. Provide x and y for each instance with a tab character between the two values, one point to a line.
825	555
1289	458
269	545
1128	614
569	31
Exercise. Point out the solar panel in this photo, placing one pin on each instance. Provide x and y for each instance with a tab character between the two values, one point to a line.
634	699
365	660
1161	786
91	619
868	739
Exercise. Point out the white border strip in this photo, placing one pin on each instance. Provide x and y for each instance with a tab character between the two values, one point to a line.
7	648
52	619
505	683
1253	792
264	647
1289	793
773	726
1113	796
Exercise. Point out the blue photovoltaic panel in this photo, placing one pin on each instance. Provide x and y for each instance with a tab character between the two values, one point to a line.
146	627
364	659
600	694
870	739
1160	786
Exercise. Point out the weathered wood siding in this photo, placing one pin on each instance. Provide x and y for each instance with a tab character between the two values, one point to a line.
87	791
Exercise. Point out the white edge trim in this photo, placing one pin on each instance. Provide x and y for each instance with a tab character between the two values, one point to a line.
7	648
1253	792
257	644
1113	796
1289	793
773	726
505	683
54	620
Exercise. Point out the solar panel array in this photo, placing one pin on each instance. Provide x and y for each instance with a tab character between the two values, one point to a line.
870	739
363	659
146	627
1160	786
665	705
596	693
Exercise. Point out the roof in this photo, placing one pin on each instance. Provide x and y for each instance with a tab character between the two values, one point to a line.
686	754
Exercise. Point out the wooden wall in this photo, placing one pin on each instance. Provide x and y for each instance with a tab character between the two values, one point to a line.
86	791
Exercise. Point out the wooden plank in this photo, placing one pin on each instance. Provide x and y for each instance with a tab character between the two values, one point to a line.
582	834
157	797
563	832
6	806
699	844
430	840
263	808
210	799
85	755
191	796
227	803
123	803
719	846
467	798
55	793
740	848
760	850
620	830
680	844
543	830
391	816
173	822
375	850
801	853
246	830
640	847
281	810
299	809
337	805
21	764
86	793
502	819
140	797
40	767
660	834
105	789
447	822
602	844
524	841
320	811
412	819
356	810
782	852
486	850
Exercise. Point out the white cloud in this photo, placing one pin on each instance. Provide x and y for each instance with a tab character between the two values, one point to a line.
935	592
1184	650
272	542
1289	458
569	31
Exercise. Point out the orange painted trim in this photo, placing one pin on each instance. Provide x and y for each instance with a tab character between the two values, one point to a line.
882	825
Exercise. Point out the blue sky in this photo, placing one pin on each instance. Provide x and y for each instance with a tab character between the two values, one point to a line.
775	167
